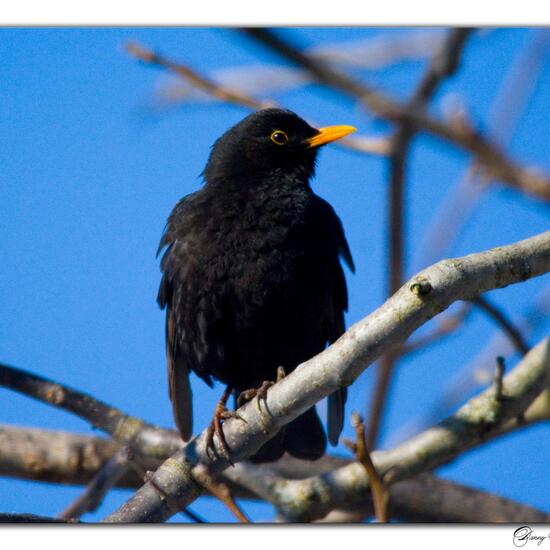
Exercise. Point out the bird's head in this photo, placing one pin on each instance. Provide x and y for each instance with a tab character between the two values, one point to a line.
269	142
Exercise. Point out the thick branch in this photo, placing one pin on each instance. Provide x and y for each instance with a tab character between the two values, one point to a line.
147	438
62	457
106	478
75	459
423	297
429	499
482	418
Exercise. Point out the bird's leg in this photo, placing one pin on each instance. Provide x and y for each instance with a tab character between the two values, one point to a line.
261	392
215	428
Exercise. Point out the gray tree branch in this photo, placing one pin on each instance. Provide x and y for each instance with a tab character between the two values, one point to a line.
483	417
74	459
106	478
420	299
149	439
429	499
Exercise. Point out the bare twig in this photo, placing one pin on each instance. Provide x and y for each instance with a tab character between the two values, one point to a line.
444	63
382	50
500	318
362	144
220	490
372	53
533	319
32	518
499	375
506	111
200	81
495	162
106	478
193	516
379	490
446	325
338	365
479	371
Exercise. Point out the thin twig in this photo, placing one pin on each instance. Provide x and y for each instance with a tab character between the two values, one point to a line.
495	162
445	326
362	144
379	490
193	516
200	81
503	322
396	238
106	478
499	376
443	64
506	110
479	371
219	490
32	518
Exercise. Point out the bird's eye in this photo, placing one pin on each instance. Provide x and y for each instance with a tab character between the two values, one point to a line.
278	137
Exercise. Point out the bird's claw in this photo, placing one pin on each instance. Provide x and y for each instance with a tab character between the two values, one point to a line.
261	392
280	373
216	428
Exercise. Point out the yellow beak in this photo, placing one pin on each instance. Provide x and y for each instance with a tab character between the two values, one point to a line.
328	134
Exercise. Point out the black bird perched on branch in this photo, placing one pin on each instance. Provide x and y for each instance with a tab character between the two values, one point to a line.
251	275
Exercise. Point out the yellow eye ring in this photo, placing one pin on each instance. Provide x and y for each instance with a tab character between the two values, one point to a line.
278	137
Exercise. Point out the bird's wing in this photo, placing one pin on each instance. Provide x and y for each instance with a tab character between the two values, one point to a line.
179	388
172	297
335	315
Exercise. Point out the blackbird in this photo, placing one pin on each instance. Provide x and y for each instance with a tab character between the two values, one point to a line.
252	279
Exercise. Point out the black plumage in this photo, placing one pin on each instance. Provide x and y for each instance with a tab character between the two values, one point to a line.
251	272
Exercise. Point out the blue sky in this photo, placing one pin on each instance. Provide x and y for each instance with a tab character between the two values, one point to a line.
90	172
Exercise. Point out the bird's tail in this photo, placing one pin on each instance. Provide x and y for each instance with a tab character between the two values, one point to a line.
303	438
